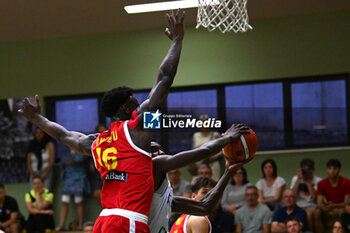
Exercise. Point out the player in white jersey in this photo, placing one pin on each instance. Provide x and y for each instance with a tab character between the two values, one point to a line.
163	201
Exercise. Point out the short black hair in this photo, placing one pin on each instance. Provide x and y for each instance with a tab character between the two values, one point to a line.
113	99
2	186
202	182
274	166
308	163
292	218
334	163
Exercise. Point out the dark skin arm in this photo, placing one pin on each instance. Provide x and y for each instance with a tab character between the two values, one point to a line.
168	67
75	140
165	163
207	204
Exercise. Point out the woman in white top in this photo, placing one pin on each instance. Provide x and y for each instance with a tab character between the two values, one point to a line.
271	186
234	194
40	158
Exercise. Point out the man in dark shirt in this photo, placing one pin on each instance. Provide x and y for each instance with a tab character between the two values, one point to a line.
8	212
290	210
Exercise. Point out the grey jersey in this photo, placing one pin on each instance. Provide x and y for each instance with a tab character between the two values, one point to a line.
161	208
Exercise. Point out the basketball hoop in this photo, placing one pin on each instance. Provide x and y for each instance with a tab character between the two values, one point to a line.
226	15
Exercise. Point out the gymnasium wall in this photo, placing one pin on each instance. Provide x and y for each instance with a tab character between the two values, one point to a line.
276	48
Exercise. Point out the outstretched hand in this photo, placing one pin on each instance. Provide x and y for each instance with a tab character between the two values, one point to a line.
176	26
236	130
233	165
29	110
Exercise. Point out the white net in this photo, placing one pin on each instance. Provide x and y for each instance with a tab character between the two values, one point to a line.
226	15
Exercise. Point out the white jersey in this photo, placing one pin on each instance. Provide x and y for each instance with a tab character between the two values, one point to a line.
161	208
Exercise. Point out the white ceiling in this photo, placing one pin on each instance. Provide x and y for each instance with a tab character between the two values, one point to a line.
33	19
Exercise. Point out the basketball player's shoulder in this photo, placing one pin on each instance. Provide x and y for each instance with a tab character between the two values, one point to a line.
197	224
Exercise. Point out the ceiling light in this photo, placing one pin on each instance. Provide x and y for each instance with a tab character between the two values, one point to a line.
163	6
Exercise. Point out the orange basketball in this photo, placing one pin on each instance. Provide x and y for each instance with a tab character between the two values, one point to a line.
242	149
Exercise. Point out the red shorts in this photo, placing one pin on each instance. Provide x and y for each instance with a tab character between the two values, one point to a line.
112	223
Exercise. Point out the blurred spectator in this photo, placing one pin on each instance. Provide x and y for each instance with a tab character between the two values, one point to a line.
9	212
75	184
39	205
234	194
198	139
337	227
180	186
331	192
304	184
293	225
40	158
345	217
98	182
88	227
290	210
271	186
254	216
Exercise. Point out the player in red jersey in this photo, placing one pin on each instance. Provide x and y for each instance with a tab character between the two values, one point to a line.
121	154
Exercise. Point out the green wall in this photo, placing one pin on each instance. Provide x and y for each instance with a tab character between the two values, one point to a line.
275	48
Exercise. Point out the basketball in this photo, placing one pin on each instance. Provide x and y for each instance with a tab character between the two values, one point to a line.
242	149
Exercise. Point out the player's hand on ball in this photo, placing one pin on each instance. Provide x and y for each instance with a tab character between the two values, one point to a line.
236	130
28	109
176	26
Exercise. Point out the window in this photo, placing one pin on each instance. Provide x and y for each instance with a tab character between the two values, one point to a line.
77	115
194	103
319	112
260	106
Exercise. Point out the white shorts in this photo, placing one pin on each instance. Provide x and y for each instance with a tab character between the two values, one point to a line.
77	199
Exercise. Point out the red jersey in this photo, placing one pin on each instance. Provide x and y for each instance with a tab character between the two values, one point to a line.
180	225
126	169
334	194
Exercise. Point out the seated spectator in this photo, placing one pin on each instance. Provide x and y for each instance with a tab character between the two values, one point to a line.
304	184
88	227
39	203
293	225
203	170
9	212
41	157
180	186
271	186
331	192
290	210
234	194
254	216
345	217
75	184
337	226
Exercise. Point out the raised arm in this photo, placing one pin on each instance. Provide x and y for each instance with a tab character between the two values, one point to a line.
168	67
167	163
75	140
207	204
